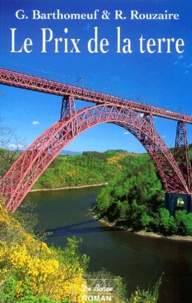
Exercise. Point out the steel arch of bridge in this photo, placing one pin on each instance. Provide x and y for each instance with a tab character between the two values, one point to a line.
32	163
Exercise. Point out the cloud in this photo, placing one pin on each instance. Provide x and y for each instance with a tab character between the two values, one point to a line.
126	133
15	146
36	122
179	60
184	64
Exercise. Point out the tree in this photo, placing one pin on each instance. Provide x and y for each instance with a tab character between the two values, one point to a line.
10	146
184	222
167	225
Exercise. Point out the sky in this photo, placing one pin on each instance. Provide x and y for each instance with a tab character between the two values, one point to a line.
116	64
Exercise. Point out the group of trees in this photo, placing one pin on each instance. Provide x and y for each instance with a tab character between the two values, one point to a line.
10	145
83	169
136	200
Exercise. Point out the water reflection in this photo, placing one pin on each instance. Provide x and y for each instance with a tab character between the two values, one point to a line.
77	228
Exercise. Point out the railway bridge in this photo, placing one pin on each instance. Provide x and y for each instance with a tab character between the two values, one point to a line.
174	168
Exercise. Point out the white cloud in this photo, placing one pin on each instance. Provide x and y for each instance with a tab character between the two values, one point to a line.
185	65
16	146
36	122
126	133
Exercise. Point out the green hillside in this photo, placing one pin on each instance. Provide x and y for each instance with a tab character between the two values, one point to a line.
85	169
133	197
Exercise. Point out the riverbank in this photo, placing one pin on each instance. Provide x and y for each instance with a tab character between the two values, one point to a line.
144	233
174	237
69	187
126	228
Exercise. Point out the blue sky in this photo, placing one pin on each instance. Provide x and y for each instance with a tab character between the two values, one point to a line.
159	79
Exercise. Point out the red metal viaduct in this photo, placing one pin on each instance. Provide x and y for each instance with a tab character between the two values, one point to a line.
174	169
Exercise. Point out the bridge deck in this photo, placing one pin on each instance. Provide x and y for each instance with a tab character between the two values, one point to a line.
26	81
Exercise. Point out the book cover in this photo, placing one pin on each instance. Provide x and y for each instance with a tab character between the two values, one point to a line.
79	57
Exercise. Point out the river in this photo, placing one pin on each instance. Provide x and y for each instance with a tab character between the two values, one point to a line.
139	260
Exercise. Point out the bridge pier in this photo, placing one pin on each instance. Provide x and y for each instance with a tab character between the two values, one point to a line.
174	201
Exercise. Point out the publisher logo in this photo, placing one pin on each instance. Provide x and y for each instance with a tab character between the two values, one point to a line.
100	290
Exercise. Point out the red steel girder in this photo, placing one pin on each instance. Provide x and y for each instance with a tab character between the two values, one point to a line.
67	107
181	152
21	80
32	163
161	156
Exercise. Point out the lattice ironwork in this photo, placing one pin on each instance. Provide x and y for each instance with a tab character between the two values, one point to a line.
181	152
17	79
67	108
32	163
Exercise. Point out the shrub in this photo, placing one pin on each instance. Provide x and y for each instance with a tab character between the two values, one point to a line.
167	225
184	222
30	269
146	296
